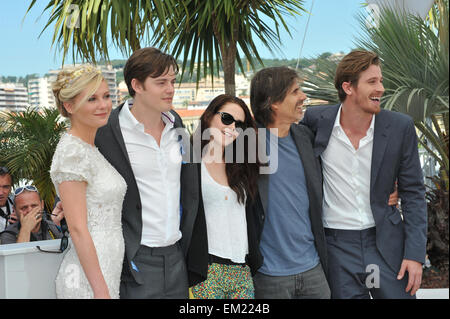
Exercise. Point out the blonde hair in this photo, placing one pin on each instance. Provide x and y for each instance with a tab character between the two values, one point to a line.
71	81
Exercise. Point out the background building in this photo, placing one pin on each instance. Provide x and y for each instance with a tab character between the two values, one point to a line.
189	95
13	97
109	73
40	93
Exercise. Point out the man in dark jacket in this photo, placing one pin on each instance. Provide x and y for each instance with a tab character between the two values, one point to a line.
293	240
373	248
142	142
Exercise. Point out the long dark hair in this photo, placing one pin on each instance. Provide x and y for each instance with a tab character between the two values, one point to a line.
242	177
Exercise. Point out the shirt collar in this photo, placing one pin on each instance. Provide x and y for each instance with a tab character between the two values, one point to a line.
371	127
337	122
168	119
128	120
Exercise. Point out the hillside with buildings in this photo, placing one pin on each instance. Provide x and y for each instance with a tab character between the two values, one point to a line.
190	99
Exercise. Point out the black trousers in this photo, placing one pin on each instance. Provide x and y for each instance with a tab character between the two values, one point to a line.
164	272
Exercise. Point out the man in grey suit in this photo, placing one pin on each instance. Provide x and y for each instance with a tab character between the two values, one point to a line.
142	141
373	248
292	242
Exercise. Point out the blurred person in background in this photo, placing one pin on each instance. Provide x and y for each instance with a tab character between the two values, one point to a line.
32	226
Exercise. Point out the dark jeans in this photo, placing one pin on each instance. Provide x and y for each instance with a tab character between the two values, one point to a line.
164	272
357	270
310	284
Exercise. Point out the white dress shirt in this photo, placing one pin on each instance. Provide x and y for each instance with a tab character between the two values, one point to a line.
226	223
346	180
157	172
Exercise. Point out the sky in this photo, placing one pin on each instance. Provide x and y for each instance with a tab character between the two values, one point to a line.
333	27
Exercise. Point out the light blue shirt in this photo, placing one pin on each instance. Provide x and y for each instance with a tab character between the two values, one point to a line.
287	241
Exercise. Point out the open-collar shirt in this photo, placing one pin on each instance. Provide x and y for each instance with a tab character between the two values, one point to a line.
346	180
157	172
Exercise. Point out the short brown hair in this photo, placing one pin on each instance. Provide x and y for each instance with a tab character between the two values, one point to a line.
147	62
350	67
268	86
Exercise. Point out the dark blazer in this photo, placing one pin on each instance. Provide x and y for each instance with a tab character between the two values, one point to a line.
110	142
197	256
394	158
303	138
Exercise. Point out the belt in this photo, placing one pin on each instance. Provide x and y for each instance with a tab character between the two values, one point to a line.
350	233
223	261
161	251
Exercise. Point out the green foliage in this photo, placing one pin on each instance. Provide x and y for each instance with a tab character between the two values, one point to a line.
87	27
415	63
207	32
28	142
415	71
438	231
319	82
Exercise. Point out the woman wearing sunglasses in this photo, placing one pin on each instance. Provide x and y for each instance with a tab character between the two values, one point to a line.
223	250
91	190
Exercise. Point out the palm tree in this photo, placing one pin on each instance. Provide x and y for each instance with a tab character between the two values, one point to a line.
319	81
29	141
415	71
208	31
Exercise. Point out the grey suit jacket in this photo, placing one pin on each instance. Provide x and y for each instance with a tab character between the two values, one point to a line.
394	158
303	138
110	142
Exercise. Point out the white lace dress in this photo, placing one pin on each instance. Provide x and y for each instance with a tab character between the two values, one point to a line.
76	160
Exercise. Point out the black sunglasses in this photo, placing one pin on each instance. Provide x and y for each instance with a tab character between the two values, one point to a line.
228	119
4	170
64	240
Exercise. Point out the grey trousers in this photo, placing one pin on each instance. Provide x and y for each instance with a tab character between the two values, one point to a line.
164	272
311	284
357	270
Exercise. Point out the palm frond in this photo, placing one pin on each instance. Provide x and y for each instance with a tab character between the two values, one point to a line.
29	141
415	65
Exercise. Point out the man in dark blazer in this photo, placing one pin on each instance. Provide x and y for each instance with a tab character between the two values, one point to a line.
7	214
292	242
373	248
145	141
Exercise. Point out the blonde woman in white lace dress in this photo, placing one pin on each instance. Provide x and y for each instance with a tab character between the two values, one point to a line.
91	190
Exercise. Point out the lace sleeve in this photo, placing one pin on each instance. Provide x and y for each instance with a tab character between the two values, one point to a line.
70	162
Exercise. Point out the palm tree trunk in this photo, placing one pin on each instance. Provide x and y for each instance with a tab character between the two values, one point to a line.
228	52
133	40
228	58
